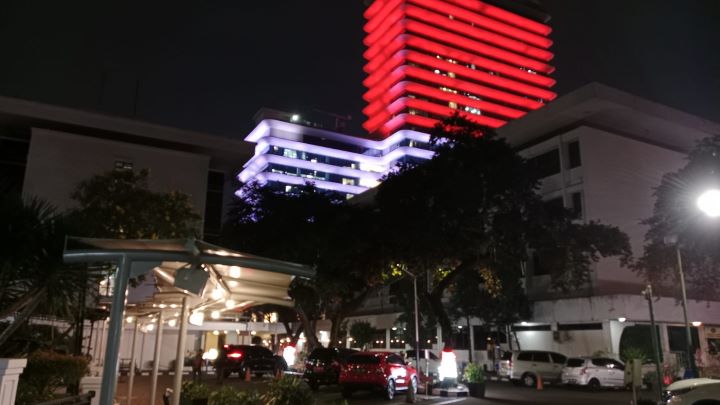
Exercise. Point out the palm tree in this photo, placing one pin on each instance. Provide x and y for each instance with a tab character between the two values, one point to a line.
33	278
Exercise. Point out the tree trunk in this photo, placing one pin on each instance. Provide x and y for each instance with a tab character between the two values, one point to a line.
335	329
310	333
22	317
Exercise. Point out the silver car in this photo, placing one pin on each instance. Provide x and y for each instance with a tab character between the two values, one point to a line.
525	367
693	391
594	372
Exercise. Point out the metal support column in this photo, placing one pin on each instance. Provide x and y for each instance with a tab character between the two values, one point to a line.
690	361
180	353
156	358
131	373
112	348
653	335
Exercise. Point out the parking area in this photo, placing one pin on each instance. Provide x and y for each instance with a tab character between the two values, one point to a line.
497	392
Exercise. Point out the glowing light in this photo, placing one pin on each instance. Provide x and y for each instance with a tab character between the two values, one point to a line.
289	355
448	365
230	304
150	327
172	323
295	118
162	305
215	315
173	306
216	332
709	203
696	323
197	318
252	332
211	354
622	319
234	272
130	319
217	294
232	283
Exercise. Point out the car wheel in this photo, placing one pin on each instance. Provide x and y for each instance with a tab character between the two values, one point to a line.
346	392
529	380
390	390
594	384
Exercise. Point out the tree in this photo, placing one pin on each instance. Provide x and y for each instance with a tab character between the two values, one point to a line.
33	277
473	208
119	204
675	214
316	228
362	333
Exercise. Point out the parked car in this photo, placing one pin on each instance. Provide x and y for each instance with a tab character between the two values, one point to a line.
594	372
241	358
693	391
432	363
323	365
384	371
524	367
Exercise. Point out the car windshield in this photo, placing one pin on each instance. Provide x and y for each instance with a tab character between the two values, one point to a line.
575	362
506	356
364	359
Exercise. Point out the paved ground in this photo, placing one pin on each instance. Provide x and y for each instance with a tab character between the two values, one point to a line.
501	393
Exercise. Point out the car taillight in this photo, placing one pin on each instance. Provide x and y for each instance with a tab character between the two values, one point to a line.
235	355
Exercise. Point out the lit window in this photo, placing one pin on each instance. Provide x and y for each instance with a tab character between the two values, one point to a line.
123	165
290	153
348	182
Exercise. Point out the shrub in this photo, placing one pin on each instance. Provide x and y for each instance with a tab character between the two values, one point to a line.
194	390
230	396
288	391
474	373
47	371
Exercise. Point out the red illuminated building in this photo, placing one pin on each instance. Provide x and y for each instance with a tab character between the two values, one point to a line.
428	59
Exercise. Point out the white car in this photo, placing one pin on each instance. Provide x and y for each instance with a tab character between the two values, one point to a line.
693	391
524	367
594	372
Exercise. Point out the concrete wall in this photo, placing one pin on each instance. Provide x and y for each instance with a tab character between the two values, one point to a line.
59	161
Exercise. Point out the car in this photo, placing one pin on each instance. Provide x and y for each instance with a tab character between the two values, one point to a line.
594	372
385	371
693	391
433	362
525	366
241	359
323	365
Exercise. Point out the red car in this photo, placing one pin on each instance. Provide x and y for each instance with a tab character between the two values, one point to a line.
384	371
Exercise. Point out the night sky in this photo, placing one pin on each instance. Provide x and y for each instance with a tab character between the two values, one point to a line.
211	65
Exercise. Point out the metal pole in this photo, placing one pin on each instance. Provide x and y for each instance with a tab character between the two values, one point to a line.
110	368
690	362
417	326
156	358
131	378
180	353
653	332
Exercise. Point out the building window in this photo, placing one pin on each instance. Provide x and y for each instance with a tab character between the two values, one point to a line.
677	338
123	165
461	338
378	339
574	154
577	205
546	164
13	158
397	338
290	153
348	182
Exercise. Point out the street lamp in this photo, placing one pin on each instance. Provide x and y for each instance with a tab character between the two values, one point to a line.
709	202
417	317
690	362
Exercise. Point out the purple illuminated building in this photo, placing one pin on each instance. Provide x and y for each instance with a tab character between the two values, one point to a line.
291	151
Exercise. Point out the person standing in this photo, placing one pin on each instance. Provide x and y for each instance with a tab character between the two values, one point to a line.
197	363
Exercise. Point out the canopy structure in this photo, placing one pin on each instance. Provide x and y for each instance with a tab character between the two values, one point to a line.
189	274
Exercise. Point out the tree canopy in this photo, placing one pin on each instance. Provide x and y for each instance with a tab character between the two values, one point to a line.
677	220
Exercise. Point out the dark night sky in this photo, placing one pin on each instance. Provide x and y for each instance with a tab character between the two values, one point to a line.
210	65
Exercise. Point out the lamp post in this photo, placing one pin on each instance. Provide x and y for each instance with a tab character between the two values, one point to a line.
647	292
690	361
417	317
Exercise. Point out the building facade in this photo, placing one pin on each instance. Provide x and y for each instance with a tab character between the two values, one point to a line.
429	59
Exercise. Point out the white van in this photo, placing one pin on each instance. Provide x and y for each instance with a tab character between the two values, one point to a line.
524	367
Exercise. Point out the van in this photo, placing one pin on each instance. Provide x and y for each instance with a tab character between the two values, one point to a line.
525	366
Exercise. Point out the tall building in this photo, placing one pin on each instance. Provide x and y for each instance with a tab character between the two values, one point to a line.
430	59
